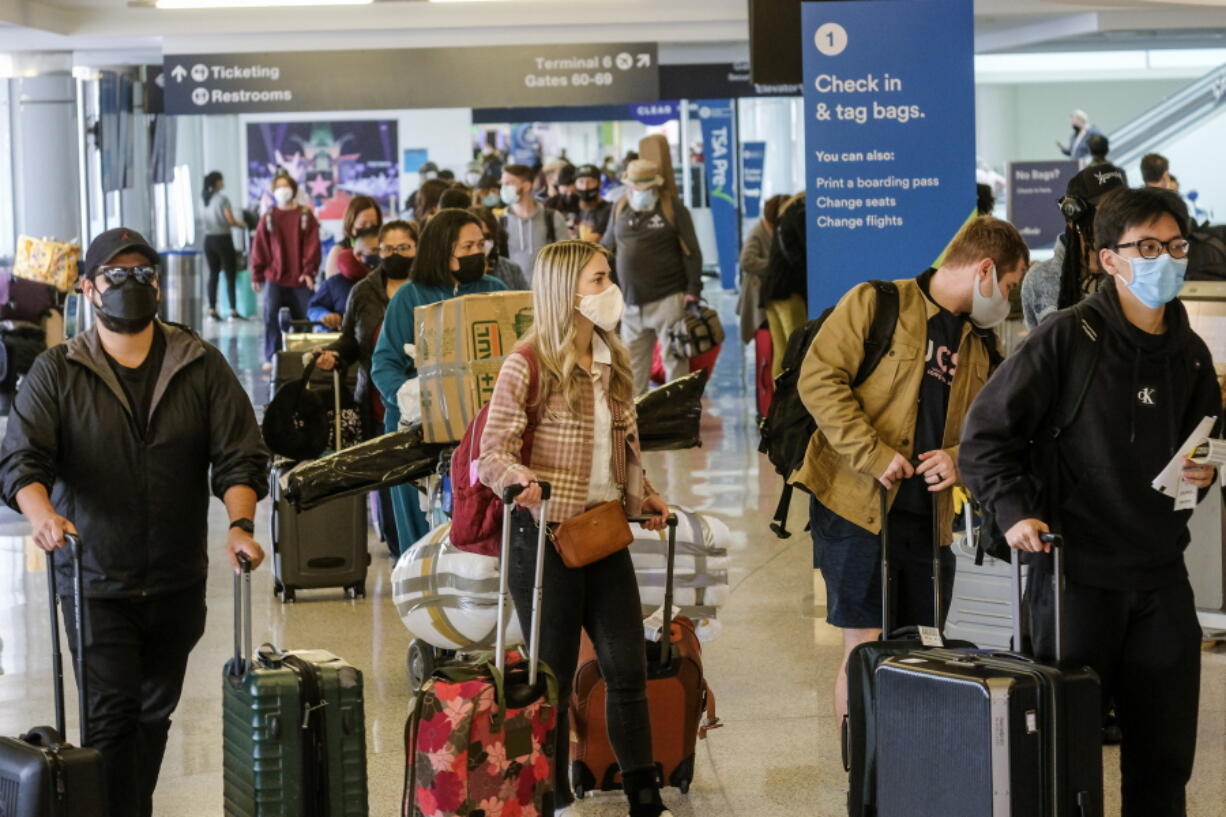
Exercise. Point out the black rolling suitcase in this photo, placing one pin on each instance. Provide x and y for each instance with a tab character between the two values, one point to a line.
860	723
41	774
989	734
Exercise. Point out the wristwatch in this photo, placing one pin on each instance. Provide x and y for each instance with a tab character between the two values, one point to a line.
245	525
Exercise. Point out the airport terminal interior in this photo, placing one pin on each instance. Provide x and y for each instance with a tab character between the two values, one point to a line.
114	112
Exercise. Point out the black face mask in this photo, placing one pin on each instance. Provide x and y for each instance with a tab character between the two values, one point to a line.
588	196
372	260
472	267
128	308
397	266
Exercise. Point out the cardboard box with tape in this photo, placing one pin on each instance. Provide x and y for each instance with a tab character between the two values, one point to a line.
461	344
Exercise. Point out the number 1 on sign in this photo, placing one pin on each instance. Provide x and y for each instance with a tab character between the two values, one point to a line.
831	39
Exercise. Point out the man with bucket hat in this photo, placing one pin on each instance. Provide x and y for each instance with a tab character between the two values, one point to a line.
120	435
659	267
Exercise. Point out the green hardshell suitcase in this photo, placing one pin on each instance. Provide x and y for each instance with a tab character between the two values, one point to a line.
294	733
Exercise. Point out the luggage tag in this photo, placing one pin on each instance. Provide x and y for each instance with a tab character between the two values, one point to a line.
653	626
931	637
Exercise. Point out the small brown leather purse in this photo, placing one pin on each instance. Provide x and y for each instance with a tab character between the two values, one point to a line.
603	529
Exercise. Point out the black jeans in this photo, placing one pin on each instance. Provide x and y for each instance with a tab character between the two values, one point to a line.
136	652
1145	646
602	598
220	254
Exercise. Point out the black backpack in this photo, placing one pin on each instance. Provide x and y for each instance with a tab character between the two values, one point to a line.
788	426
1074	386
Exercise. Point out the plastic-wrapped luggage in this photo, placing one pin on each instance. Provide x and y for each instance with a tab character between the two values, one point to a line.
701	570
447	597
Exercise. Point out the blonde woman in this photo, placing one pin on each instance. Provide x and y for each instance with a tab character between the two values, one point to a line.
582	374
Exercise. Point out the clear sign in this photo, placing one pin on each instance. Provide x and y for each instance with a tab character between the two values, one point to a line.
579	74
889	137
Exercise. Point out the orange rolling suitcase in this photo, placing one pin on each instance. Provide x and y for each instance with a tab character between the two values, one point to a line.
681	704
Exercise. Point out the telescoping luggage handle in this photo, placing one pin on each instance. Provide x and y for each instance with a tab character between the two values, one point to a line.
534	646
242	615
57	658
1057	548
888	623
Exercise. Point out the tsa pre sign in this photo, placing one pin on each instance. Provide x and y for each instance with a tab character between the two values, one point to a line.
889	91
719	156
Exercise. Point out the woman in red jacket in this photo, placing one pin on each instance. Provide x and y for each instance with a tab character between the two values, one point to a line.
285	259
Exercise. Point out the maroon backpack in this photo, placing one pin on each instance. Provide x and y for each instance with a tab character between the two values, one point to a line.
476	511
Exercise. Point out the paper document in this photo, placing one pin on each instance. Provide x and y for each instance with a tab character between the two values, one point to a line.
1170	481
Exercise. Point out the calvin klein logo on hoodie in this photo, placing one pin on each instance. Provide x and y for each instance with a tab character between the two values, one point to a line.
1145	397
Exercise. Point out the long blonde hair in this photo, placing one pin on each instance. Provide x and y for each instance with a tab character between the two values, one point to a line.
554	281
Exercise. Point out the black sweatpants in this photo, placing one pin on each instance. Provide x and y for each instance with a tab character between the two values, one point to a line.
220	254
136	659
602	598
1145	646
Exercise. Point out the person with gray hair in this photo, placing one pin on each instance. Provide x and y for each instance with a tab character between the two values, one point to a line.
1079	146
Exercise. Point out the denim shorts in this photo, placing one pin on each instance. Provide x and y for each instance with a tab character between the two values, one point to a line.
849	558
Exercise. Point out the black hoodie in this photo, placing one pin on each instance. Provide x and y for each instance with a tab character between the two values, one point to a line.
1147	394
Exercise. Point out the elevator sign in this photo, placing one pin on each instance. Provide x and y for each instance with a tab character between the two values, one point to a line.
510	76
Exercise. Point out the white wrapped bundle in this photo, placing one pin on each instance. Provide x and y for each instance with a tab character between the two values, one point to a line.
447	597
700	581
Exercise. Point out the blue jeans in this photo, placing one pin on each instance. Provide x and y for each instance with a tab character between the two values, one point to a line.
275	297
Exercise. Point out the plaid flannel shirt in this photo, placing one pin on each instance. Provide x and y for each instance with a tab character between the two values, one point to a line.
561	446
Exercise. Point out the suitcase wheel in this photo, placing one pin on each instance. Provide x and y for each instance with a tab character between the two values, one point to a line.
356	591
421	662
684	787
581	779
287	595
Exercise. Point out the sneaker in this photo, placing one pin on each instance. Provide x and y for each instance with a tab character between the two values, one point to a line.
234	316
213	316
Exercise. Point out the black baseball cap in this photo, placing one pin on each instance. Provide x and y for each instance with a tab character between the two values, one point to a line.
103	249
566	176
588	171
1091	183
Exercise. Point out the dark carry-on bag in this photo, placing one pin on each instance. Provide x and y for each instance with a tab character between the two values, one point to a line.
860	723
680	704
41	774
325	546
480	736
990	734
294	730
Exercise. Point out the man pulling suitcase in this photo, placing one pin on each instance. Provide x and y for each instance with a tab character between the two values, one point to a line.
120	434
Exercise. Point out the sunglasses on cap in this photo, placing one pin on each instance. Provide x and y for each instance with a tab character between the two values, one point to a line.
118	276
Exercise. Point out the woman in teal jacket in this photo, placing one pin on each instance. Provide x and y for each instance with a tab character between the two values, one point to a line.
450	262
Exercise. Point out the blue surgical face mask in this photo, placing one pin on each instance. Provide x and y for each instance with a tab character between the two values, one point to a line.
510	194
643	200
1157	281
492	200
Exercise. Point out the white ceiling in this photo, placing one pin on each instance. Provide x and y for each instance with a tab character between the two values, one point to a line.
688	30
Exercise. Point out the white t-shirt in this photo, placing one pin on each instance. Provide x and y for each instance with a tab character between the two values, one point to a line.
602	486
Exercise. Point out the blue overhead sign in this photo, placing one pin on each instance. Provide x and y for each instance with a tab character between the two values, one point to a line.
889	90
753	162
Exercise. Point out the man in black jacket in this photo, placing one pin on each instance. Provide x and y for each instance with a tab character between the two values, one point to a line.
1130	611
113	435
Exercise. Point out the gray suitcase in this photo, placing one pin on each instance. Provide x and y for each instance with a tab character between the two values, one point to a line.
325	546
981	609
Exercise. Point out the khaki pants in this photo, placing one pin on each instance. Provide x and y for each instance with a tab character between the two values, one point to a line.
642	326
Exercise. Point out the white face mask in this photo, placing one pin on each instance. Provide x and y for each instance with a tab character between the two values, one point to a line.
990	310
283	195
604	309
510	194
643	201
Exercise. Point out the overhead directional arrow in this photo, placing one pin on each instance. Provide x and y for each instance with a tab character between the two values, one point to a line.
644	61
179	73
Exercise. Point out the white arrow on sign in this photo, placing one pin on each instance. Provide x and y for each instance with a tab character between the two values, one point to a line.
179	73
644	61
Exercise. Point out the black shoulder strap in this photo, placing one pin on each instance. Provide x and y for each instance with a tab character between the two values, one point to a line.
881	333
551	229
1080	370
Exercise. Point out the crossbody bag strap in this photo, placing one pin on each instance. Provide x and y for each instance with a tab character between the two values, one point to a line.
620	443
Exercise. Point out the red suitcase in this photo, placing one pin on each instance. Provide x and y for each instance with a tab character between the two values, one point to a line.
41	773
681	704
763	360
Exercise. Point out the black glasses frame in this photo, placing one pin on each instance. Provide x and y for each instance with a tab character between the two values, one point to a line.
1165	245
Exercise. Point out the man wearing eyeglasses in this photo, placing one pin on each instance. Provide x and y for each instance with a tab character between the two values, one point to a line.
1129	608
119	435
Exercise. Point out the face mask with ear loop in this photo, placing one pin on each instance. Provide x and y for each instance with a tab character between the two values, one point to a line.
988	311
